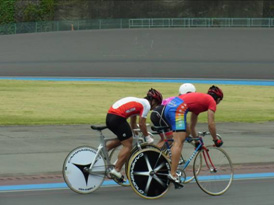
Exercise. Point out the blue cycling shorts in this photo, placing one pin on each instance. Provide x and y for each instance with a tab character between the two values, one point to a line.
175	114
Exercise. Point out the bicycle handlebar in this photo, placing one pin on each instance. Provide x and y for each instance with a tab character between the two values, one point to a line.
203	133
138	129
158	130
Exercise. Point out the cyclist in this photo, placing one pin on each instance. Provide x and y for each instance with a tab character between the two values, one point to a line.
156	115
116	121
175	114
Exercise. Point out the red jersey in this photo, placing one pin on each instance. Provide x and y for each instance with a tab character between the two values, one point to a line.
130	106
198	102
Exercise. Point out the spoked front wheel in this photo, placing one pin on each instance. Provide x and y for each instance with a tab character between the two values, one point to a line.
76	170
148	170
216	173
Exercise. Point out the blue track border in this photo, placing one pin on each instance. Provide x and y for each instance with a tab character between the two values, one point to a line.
148	80
45	186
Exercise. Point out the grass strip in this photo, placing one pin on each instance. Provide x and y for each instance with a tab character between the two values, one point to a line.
55	103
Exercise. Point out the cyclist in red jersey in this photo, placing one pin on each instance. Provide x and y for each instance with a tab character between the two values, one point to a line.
116	121
175	114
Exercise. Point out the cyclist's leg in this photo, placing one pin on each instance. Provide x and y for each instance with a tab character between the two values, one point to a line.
179	138
169	135
112	144
161	142
120	127
175	113
124	153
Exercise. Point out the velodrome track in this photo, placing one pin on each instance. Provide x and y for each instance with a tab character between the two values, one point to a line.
157	53
222	53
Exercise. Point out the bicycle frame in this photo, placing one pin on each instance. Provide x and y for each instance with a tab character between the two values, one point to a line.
136	139
205	153
206	156
189	140
137	142
101	149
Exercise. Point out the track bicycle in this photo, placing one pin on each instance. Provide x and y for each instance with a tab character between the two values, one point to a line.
212	169
85	168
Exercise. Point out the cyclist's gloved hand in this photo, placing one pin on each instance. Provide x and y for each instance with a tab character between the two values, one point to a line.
218	142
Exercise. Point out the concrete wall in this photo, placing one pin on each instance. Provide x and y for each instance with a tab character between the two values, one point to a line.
177	53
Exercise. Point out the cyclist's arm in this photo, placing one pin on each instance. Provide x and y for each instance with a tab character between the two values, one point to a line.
188	130
142	125
133	123
211	124
193	122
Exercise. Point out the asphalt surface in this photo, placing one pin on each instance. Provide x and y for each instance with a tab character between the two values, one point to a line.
223	53
246	192
41	150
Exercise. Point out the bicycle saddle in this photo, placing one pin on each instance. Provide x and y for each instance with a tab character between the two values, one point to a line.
159	128
98	127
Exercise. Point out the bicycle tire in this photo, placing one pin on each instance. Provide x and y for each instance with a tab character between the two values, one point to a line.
148	173
75	170
214	181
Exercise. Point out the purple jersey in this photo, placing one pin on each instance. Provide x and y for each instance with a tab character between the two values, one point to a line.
167	100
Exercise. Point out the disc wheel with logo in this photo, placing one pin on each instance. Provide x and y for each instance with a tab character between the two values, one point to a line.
76	170
148	173
114	155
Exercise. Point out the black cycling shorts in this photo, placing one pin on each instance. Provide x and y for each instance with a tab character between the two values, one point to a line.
119	126
157	117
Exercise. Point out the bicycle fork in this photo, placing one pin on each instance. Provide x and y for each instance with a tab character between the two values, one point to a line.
94	160
208	161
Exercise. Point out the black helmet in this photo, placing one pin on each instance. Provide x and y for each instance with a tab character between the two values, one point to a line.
215	92
154	94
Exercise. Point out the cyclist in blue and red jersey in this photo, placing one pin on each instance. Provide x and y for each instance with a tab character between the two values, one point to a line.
156	118
175	114
116	121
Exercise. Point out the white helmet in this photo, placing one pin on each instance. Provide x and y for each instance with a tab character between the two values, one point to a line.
186	88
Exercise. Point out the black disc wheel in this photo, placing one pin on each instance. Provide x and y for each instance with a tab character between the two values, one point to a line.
147	171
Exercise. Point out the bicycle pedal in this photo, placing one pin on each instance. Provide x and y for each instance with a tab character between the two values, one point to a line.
178	186
120	180
182	161
179	173
109	176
